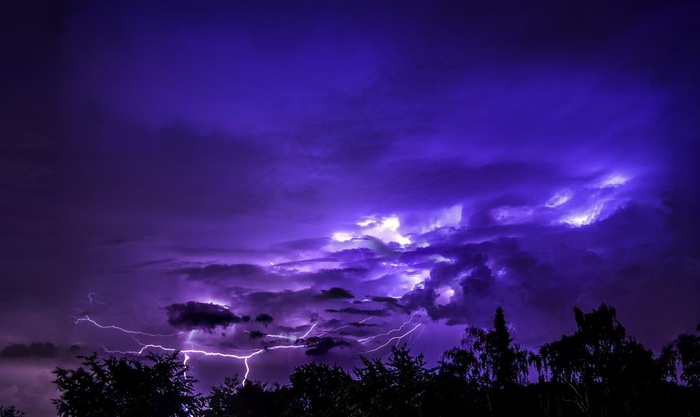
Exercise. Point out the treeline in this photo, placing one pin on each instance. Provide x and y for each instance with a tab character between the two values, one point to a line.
597	371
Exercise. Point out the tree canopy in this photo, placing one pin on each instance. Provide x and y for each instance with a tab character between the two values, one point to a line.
127	387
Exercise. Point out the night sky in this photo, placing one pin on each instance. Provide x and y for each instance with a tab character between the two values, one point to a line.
328	179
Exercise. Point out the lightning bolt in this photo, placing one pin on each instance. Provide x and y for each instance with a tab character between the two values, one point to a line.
292	337
397	338
91	300
184	362
406	323
342	327
79	320
187	352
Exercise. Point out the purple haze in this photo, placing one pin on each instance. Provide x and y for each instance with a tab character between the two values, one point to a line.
319	179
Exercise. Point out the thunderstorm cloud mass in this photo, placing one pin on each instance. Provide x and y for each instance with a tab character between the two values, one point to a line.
266	184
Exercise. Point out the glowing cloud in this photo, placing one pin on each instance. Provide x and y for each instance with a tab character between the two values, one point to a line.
585	217
385	229
444	295
615	180
559	198
448	217
512	214
342	237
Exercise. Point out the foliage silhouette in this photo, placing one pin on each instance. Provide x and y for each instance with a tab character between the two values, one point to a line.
598	371
10	411
321	390
602	370
688	348
395	388
234	399
123	387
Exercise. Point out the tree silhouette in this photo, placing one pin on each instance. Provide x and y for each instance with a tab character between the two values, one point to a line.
10	411
123	387
488	359
233	399
319	389
607	372
488	362
688	347
395	388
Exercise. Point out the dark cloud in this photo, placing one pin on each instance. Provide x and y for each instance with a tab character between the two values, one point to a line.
221	271
353	310
336	275
390	302
478	281
334	293
35	349
154	262
279	301
264	318
256	334
463	282
318	346
115	241
358	324
197	315
355	255
301	244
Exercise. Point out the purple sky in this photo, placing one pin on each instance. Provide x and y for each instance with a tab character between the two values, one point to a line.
343	170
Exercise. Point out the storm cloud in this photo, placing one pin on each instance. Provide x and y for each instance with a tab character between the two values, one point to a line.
363	173
34	349
197	315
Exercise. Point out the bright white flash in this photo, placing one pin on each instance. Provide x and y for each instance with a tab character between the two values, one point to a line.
388	231
391	223
585	218
413	279
215	302
562	197
448	217
444	295
367	221
614	180
342	236
385	229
